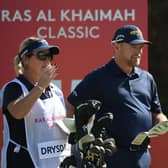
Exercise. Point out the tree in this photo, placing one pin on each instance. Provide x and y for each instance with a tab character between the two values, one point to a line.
158	57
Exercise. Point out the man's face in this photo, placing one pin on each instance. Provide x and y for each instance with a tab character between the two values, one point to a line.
130	54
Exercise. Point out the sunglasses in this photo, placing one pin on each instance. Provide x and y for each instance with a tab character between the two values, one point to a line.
43	56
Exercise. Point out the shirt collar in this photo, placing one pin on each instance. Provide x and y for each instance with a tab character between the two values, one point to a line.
25	82
117	70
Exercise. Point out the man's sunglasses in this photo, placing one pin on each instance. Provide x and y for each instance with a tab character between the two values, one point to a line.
43	56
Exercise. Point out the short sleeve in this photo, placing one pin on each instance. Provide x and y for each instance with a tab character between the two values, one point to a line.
85	90
11	92
155	104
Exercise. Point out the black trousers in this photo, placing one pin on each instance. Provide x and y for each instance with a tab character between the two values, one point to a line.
124	158
18	158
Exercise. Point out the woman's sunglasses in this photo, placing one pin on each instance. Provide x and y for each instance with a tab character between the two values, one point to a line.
43	56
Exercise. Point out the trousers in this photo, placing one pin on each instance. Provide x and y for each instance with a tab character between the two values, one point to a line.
125	158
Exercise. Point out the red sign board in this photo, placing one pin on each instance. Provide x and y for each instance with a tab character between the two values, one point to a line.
83	29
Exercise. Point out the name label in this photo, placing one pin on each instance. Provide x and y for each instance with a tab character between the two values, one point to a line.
53	149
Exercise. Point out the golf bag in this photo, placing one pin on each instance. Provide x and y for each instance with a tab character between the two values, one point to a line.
89	140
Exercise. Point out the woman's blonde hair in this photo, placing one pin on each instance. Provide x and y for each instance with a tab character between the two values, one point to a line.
18	64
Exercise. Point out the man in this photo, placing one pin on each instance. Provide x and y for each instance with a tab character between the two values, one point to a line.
128	92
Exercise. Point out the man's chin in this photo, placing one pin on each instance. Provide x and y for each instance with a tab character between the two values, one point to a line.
136	63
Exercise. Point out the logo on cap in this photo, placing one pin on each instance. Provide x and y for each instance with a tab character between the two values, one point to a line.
129	34
136	32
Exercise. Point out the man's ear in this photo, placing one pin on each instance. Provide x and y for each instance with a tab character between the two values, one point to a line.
116	46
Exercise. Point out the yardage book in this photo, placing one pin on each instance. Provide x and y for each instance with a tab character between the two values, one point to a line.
159	129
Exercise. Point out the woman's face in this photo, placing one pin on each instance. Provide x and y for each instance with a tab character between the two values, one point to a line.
35	64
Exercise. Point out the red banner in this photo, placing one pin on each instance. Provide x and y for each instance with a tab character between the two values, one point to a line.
82	29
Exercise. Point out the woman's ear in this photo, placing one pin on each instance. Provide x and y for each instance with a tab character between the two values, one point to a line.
24	60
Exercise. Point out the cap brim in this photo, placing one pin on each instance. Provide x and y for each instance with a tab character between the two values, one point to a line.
53	49
117	41
140	42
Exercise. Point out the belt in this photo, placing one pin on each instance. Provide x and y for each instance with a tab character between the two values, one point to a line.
135	148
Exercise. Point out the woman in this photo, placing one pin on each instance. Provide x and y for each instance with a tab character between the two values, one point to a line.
33	109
